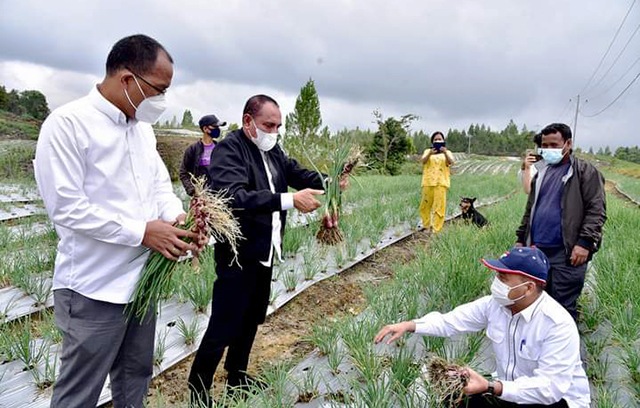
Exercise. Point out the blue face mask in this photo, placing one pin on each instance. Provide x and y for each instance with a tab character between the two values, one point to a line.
438	145
552	156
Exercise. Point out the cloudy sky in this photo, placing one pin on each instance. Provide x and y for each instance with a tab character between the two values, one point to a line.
453	63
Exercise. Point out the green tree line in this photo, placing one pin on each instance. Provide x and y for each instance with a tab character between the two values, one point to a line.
631	154
30	102
481	139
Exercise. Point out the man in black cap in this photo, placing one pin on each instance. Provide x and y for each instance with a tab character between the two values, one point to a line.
535	341
197	157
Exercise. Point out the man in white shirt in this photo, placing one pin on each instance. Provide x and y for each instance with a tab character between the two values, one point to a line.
535	340
110	198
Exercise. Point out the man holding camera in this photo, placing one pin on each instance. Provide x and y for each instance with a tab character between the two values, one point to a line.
564	216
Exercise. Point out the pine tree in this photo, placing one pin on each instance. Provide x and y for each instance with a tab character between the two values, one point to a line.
187	120
390	143
305	120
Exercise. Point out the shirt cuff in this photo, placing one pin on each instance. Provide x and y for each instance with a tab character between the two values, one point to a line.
172	214
133	232
509	391
422	327
286	201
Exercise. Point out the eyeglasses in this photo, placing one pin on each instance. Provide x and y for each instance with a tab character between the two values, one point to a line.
159	90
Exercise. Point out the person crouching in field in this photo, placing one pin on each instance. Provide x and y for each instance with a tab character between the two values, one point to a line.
535	340
435	182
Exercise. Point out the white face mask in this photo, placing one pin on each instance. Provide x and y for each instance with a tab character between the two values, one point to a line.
265	141
500	292
150	108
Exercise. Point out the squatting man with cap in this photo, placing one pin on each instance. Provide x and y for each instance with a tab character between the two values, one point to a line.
197	157
535	340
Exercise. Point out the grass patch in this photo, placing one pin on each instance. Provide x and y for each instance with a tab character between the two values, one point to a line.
18	127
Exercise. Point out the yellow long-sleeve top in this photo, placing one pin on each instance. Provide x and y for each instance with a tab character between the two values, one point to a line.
435	171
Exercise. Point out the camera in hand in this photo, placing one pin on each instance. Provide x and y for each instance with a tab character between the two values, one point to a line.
535	154
438	146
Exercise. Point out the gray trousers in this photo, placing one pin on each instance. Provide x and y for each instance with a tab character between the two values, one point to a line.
98	340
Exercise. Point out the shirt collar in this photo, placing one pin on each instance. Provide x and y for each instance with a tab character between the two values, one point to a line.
105	106
528	313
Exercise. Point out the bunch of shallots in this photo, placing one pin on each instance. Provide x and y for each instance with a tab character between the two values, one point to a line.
345	159
208	216
447	381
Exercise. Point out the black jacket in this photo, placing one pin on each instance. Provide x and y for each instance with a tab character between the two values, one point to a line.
238	170
191	165
584	209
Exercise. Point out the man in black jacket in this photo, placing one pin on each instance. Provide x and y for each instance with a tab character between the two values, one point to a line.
197	157
564	216
254	171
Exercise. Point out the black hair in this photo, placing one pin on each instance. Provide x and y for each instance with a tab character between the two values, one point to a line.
136	52
433	136
256	102
537	139
561	128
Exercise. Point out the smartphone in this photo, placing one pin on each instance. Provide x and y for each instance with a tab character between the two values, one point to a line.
534	153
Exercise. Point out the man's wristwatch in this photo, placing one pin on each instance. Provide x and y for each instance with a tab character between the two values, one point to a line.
491	387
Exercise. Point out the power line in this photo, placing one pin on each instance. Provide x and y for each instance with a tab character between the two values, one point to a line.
617	57
608	48
564	110
617	80
616	99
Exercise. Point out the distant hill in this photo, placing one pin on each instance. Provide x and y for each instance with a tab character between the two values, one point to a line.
14	126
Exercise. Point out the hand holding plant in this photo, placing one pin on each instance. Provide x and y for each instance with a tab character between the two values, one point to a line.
448	381
345	159
208	215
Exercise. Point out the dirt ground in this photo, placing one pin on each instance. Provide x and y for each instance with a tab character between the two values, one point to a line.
283	336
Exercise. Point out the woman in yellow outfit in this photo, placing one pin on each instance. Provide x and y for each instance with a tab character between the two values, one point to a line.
435	183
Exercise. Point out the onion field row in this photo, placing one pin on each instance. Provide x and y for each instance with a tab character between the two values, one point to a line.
389	203
348	370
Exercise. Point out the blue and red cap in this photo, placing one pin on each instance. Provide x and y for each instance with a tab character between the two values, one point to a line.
526	261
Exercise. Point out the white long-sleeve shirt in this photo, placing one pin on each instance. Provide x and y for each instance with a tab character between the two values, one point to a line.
101	179
286	202
537	350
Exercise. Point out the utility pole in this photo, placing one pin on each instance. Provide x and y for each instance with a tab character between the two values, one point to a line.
575	121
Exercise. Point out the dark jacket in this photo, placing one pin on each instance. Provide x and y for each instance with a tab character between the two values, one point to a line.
584	210
191	165
239	172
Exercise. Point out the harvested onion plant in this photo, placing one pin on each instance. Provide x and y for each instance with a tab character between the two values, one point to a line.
447	381
344	161
208	215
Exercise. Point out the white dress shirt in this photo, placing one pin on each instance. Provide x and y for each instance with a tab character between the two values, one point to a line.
101	179
537	350
286	203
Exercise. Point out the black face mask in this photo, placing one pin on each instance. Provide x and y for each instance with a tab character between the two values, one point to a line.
214	133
